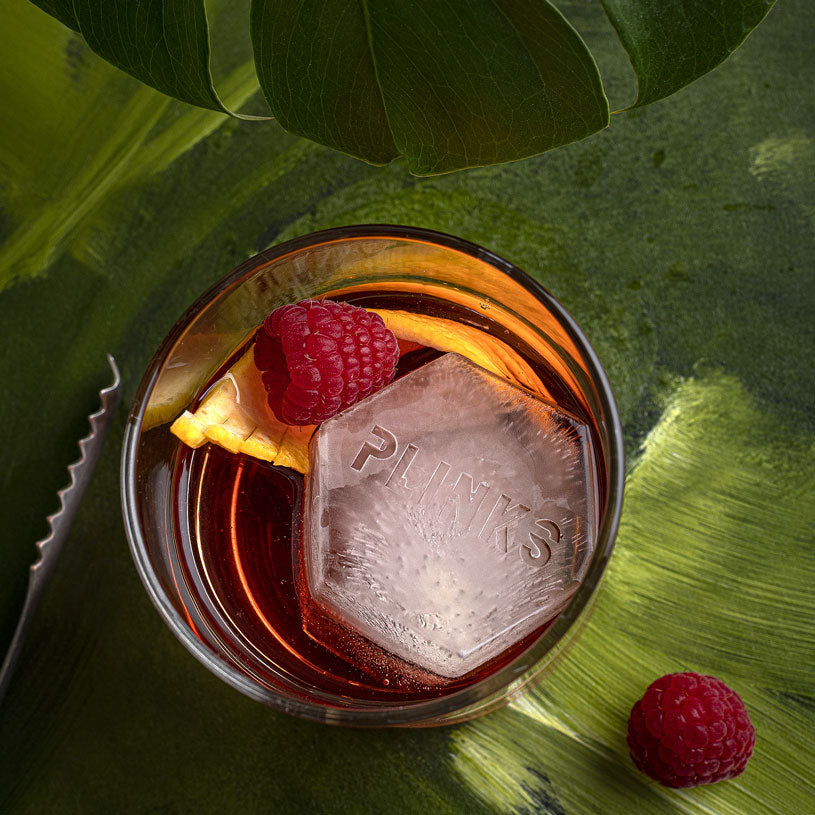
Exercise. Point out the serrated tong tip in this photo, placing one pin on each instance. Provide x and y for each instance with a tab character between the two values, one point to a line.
60	522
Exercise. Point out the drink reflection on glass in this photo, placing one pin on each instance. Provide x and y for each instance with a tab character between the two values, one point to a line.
424	553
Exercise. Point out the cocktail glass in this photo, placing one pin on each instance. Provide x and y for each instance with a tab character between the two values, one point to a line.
346	262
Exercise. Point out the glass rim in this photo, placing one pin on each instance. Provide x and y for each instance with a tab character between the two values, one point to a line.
380	713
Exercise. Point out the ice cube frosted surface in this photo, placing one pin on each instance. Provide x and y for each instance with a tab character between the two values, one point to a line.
448	515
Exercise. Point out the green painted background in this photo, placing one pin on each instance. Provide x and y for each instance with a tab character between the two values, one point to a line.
682	241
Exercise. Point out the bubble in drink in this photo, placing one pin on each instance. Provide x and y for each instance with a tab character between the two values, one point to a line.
448	516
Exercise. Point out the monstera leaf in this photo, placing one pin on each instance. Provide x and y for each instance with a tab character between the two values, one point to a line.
447	84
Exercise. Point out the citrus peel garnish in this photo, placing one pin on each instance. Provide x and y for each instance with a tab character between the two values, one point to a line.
483	349
234	413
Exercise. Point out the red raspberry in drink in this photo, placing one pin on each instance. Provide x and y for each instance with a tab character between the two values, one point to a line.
319	357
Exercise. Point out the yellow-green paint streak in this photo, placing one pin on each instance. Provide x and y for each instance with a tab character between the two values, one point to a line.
193	125
783	155
30	250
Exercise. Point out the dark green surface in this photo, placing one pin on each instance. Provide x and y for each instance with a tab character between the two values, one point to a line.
681	240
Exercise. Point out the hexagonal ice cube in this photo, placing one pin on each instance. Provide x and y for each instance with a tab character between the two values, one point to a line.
448	515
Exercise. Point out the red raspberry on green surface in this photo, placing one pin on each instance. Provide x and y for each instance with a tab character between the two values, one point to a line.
319	357
689	729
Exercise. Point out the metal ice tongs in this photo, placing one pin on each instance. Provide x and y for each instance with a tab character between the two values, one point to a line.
60	522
